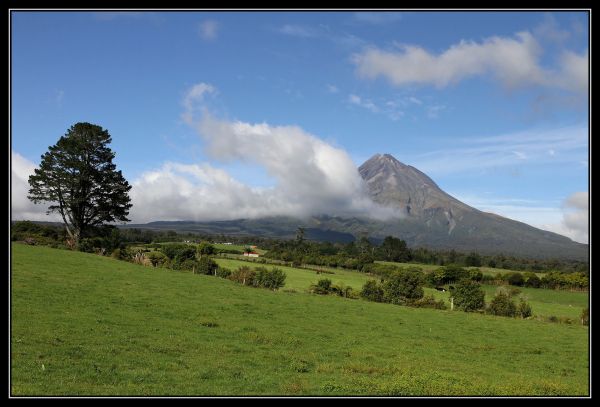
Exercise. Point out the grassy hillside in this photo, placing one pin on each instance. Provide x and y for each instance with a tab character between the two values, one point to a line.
88	325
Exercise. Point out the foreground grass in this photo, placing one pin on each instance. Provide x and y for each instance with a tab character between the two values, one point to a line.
87	325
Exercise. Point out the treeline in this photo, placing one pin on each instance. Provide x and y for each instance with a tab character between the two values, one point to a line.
362	253
354	255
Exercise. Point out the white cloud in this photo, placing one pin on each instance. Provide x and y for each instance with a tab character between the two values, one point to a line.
512	61
21	207
576	216
415	100
332	88
301	31
573	75
549	30
207	30
194	98
310	176
367	104
433	112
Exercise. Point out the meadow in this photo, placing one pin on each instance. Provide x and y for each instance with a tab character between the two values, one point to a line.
545	303
83	324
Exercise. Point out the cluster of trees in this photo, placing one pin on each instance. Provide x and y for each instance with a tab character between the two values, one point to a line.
354	255
468	296
404	287
324	287
440	257
262	277
360	255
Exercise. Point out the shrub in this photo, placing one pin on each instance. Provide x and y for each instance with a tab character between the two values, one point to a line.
205	248
475	275
343	290
372	291
243	275
187	253
323	286
428	301
468	296
272	279
223	272
513	291
516	279
206	265
116	254
187	264
180	250
524	309
403	287
86	245
533	281
454	273
157	259
502	305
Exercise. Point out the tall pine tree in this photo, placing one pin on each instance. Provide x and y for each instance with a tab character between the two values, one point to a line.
78	178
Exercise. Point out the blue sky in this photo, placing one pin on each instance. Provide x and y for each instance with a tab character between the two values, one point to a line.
492	105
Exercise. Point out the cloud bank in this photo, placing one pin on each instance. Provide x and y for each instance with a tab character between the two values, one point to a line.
310	176
21	207
576	216
515	62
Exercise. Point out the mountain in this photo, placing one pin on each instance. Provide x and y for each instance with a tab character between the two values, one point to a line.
435	219
429	218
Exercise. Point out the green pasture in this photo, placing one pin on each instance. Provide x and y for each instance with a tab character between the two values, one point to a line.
84	325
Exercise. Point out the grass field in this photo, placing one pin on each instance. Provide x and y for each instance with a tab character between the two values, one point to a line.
82	324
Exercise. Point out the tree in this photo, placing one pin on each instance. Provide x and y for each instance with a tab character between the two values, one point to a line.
80	181
473	260
502	305
205	248
468	296
394	249
206	265
516	279
372	291
403	287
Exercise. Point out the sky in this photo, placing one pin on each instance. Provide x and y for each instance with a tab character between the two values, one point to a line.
226	115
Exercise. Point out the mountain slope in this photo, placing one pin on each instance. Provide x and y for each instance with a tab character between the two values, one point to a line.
435	219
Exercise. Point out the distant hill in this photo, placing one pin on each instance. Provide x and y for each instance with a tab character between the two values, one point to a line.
431	218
